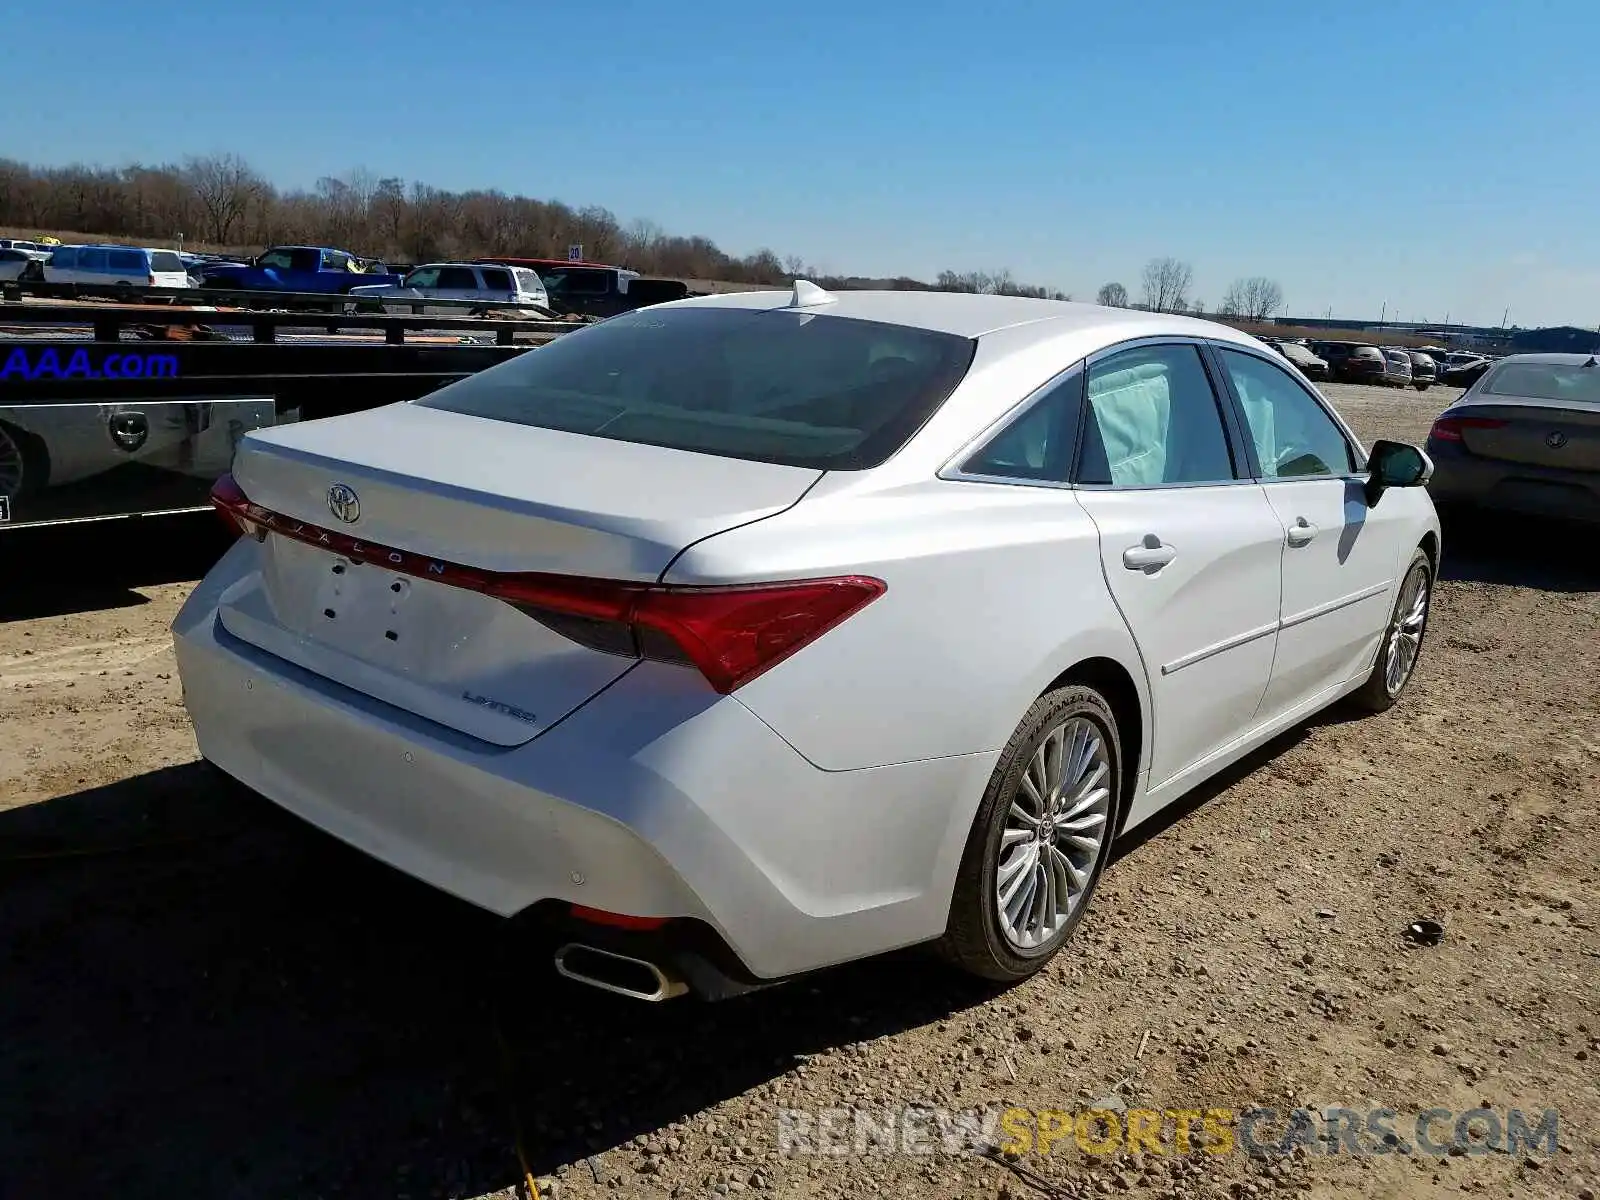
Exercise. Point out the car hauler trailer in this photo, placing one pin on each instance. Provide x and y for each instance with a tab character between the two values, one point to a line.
112	411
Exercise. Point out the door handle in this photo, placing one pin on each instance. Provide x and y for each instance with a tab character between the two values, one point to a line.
1301	532
1149	555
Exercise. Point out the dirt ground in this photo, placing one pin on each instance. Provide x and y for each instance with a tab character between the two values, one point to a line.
204	998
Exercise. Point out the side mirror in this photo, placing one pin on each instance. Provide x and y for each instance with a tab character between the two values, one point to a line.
1395	464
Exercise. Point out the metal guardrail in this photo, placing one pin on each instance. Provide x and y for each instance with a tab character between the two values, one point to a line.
110	320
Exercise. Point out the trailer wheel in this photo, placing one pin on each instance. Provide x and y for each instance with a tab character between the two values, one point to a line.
24	462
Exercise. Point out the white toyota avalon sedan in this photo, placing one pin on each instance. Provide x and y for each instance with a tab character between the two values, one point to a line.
749	634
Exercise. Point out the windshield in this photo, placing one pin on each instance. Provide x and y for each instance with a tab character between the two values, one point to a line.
1545	381
800	389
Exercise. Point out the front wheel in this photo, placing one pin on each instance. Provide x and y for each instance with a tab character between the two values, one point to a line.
1040	838
1402	640
1422	387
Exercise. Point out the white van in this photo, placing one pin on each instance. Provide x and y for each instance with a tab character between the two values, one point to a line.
116	267
510	287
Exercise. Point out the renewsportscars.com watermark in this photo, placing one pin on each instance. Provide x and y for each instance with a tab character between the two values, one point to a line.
1259	1132
21	365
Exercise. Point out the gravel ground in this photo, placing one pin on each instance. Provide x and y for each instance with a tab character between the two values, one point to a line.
204	998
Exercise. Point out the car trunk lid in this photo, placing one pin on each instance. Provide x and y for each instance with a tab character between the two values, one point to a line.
375	518
1533	432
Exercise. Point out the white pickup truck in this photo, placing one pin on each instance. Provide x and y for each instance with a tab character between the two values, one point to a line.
495	286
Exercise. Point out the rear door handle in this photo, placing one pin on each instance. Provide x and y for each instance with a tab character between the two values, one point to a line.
1301	532
1149	555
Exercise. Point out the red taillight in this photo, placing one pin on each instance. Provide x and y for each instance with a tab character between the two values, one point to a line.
729	634
1449	429
228	498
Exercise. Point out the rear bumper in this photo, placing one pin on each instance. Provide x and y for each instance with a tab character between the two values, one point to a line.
1460	477
656	798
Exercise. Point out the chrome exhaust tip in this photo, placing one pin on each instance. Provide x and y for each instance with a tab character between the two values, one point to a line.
636	978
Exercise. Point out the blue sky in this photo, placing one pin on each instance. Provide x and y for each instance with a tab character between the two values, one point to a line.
1427	157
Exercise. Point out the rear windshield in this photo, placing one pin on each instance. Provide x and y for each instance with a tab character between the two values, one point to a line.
165	260
801	389
1545	381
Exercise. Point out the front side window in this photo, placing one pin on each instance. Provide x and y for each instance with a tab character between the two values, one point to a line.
91	259
1153	419
780	386
1036	445
422	277
65	259
280	259
1293	435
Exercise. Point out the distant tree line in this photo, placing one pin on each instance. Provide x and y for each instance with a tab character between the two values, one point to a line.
1165	284
220	202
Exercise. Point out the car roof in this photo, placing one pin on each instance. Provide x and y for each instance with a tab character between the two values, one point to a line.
975	316
1547	360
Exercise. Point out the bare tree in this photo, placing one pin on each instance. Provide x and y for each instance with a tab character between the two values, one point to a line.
1253	299
225	187
1166	284
1112	295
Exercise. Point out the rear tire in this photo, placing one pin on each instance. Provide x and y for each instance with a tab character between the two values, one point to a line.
1040	840
1403	635
24	463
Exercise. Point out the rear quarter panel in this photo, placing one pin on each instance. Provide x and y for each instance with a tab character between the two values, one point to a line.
994	590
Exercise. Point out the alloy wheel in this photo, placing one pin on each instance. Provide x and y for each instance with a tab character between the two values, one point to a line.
1055	832
1405	633
12	467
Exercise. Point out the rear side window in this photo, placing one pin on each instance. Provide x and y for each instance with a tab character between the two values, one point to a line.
91	259
130	261
460	279
166	260
795	388
496	280
1036	445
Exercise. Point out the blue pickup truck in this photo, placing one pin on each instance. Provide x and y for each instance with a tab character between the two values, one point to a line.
298	269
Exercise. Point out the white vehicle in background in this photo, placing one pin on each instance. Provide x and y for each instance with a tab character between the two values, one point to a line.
15	261
495	286
744	635
119	268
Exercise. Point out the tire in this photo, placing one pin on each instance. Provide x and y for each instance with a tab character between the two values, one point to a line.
1408	622
24	463
1422	387
1068	725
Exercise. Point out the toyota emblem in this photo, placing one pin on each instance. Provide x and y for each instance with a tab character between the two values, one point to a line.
344	503
1555	439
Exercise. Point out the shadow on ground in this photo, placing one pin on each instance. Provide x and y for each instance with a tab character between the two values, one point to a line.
1553	556
51	571
264	1012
